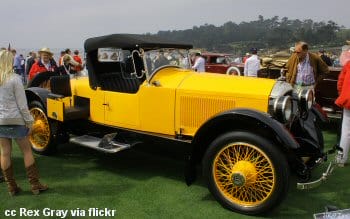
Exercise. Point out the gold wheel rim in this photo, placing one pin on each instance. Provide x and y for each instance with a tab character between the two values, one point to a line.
244	174
40	135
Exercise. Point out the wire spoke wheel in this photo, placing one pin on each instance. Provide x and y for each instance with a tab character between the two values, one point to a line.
244	174
40	135
44	133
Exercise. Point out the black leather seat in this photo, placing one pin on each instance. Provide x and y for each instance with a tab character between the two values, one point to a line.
115	81
60	88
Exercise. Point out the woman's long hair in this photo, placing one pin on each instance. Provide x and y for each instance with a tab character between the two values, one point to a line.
6	65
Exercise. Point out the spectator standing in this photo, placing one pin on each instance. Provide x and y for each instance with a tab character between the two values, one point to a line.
324	57
18	64
343	101
199	63
67	51
15	124
45	63
68	64
252	64
247	55
78	59
60	59
304	69
30	61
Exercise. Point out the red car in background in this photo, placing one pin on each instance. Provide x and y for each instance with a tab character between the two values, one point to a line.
222	63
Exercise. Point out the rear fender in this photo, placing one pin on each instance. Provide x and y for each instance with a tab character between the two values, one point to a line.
38	94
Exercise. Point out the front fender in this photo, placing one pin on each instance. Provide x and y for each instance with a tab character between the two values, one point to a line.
321	115
243	116
241	120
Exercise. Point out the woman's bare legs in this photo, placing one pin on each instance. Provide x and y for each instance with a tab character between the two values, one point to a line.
26	149
6	148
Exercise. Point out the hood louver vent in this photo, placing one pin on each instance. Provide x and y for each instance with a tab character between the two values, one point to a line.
196	110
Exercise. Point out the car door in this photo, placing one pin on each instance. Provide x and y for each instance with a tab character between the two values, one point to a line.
215	65
121	109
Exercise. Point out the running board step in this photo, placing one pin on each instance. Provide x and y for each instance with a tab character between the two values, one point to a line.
106	144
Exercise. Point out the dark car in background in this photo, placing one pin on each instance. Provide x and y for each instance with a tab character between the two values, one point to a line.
326	93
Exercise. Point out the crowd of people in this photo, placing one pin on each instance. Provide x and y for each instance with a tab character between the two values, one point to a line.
44	61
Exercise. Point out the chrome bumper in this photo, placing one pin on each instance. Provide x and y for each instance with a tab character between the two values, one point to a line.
318	182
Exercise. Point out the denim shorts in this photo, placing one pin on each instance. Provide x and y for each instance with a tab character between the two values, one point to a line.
13	131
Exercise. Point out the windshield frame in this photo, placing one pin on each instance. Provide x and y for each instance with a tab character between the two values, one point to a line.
150	71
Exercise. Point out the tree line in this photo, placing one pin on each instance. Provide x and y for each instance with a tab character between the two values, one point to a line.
272	34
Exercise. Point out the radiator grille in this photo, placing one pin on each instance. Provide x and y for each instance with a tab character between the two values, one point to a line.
196	110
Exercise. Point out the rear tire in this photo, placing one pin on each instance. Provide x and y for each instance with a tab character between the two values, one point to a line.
43	130
246	173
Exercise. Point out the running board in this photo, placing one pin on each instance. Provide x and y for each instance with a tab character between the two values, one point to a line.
105	144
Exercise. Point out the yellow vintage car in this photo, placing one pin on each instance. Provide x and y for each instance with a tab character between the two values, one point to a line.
248	134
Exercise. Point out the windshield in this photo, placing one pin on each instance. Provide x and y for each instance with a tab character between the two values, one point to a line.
155	59
230	58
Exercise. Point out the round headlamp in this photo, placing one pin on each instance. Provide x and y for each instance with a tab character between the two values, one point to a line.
306	99
283	108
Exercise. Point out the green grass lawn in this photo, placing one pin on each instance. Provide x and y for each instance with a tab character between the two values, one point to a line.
141	184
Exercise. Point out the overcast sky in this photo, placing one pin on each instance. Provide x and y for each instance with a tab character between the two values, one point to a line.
67	23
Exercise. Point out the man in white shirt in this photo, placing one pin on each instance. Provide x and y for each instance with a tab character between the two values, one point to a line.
199	63
252	64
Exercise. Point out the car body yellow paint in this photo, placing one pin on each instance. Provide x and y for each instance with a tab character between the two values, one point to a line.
174	101
55	109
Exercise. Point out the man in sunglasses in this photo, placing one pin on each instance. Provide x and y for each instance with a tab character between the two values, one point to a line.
304	69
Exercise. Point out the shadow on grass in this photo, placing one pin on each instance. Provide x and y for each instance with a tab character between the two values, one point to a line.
141	162
72	164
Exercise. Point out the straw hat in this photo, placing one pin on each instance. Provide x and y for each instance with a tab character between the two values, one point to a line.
348	42
45	50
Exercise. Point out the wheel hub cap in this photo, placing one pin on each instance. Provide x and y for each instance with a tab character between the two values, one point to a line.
238	179
243	173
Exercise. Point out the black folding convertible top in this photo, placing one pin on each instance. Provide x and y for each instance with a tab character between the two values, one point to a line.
132	41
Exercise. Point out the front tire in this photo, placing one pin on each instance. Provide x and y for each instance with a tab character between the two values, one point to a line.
43	130
246	173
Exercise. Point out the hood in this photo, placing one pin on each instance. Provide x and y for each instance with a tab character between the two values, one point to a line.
227	85
200	96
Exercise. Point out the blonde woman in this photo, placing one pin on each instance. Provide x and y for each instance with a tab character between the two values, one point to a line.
15	123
